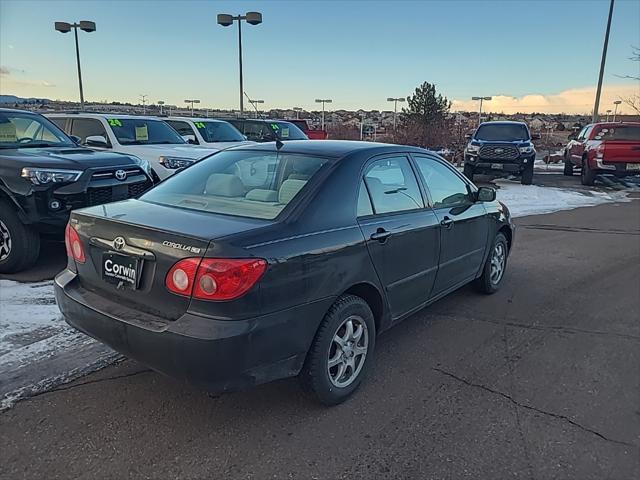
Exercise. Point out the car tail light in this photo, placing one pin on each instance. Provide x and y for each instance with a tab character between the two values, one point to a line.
73	243
600	151
182	276
215	278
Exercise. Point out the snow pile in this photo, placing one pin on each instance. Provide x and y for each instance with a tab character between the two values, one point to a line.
38	350
533	200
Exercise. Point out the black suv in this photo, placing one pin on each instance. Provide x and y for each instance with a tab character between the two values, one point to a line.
260	130
501	147
44	175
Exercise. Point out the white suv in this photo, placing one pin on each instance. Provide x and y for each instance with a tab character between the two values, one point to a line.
206	131
148	138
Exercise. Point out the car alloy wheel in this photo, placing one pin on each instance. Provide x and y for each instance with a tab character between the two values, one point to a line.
498	261
5	241
348	351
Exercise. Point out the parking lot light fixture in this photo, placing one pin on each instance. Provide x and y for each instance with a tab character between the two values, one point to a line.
85	26
226	20
192	102
255	105
323	101
297	110
160	103
395	107
608	112
615	111
480	109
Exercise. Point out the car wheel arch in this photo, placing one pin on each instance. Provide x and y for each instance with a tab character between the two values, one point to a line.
373	297
506	231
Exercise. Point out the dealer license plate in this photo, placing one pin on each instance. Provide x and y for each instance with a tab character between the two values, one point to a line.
633	166
121	270
497	166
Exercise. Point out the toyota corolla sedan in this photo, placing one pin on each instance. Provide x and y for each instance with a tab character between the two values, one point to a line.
275	260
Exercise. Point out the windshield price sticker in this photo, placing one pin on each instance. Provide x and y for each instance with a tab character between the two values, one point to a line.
8	132
114	122
284	133
199	124
142	133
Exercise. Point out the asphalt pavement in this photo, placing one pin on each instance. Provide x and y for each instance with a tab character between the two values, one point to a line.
541	380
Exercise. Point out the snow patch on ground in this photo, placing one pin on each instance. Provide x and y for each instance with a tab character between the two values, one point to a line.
38	350
534	200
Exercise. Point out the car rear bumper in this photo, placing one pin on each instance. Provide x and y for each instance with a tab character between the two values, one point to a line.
619	169
217	355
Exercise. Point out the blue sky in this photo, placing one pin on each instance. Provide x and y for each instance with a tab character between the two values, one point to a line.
356	52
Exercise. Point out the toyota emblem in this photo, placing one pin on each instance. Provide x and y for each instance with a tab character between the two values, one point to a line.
499	150
121	175
119	243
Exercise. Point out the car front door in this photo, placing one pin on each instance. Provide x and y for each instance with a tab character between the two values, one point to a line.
464	223
577	145
401	233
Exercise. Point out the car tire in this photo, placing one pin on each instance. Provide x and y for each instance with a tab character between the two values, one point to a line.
468	171
332	385
568	167
527	175
587	175
20	244
494	267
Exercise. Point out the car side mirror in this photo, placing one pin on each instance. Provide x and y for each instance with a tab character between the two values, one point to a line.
486	194
190	139
76	139
96	141
535	136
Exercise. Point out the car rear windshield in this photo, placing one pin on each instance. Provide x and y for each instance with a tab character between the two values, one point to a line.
134	131
218	132
254	184
619	132
28	130
502	133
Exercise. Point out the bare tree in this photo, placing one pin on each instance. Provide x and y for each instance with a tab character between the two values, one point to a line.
634	100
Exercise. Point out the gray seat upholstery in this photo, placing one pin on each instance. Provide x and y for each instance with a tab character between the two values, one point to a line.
289	189
224	185
262	195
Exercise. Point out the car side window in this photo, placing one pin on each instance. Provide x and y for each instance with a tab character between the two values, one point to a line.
364	202
392	186
587	132
60	122
254	130
582	134
183	128
87	127
446	188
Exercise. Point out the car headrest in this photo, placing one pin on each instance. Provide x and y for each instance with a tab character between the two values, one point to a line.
262	195
289	189
224	185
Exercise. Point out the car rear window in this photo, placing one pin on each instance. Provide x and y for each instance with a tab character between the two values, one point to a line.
254	184
502	132
619	132
218	132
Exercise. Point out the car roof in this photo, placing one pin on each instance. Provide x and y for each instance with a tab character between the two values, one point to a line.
261	120
331	148
613	124
17	110
103	115
503	122
194	119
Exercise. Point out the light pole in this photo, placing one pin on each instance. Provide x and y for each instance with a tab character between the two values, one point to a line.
480	110
192	102
608	112
85	26
226	20
602	62
143	98
297	110
323	101
395	107
615	111
161	103
255	105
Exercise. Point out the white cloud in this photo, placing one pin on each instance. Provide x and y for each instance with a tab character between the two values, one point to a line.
576	100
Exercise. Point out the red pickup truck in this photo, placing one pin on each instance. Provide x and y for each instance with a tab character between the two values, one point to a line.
313	134
604	148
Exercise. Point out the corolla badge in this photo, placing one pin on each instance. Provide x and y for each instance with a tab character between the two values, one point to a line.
180	246
121	175
119	243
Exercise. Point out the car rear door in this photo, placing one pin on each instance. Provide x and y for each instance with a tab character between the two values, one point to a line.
402	235
464	223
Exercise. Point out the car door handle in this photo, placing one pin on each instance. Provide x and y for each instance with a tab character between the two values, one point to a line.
446	222
381	235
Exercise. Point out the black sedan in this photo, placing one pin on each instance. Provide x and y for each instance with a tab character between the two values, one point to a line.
269	261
